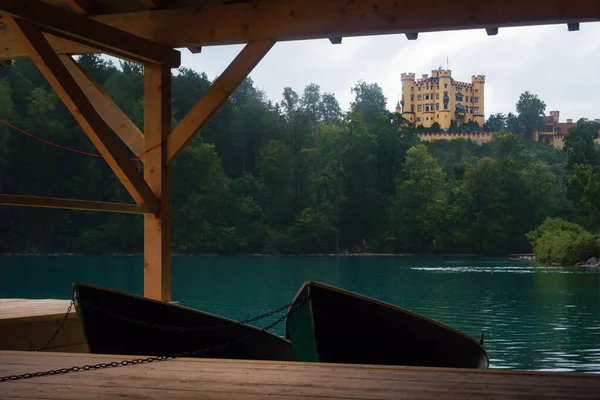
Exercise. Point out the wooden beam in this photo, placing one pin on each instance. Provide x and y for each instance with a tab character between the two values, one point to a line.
118	121
219	24
89	32
80	6
150	3
72	204
84	113
216	95
157	228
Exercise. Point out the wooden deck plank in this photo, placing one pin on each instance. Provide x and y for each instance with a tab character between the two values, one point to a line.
19	308
239	379
26	324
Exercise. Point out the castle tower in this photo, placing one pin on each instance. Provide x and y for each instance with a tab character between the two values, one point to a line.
447	102
408	102
478	96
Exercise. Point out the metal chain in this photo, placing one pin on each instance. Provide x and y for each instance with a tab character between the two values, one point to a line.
58	328
293	307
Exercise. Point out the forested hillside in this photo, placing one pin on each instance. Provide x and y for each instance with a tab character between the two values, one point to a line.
297	176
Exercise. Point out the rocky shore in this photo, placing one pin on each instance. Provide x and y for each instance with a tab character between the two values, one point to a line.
592	262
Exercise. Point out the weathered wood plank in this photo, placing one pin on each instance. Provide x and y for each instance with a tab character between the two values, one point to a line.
228	379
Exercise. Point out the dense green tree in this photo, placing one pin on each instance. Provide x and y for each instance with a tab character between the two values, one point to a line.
495	123
418	213
530	111
298	176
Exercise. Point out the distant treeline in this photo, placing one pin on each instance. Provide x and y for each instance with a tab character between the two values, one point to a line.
298	176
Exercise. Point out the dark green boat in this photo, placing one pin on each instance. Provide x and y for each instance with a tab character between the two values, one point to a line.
121	323
338	326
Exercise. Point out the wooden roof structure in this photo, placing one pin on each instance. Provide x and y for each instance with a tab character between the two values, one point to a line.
50	32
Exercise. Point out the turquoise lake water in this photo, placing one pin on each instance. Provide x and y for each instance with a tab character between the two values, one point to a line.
534	317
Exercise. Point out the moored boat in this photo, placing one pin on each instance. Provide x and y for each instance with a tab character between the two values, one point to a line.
115	322
338	326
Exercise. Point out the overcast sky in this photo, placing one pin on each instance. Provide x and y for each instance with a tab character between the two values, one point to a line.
561	67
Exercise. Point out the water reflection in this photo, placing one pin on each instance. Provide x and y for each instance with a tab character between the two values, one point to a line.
534	316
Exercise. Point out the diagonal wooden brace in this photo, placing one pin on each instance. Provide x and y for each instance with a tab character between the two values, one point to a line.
83	111
108	110
89	32
216	95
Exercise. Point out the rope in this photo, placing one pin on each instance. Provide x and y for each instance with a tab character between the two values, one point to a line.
85	153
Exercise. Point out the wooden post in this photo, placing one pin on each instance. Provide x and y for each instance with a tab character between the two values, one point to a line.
157	228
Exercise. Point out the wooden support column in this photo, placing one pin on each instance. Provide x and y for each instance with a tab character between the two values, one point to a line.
83	111
157	228
216	95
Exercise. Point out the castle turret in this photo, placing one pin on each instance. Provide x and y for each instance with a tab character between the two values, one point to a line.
446	98
477	97
408	96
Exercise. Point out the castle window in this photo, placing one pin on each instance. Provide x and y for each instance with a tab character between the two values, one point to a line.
418	119
412	108
476	110
426	97
412	97
419	88
476	91
476	100
419	108
426	107
437	96
437	107
438	87
467	100
467	109
445	85
445	106
419	97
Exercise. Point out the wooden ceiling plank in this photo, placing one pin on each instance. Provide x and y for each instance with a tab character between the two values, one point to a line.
93	125
118	121
310	19
90	32
216	95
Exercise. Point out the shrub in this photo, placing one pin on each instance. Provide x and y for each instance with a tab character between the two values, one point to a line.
557	241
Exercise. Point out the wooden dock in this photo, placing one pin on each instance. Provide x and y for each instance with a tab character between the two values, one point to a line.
26	325
233	379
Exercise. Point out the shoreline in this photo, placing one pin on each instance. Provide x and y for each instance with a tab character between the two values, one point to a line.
523	256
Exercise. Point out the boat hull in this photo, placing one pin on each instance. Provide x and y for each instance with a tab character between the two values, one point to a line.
338	326
120	323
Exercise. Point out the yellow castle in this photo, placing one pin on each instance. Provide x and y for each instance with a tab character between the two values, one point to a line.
439	98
